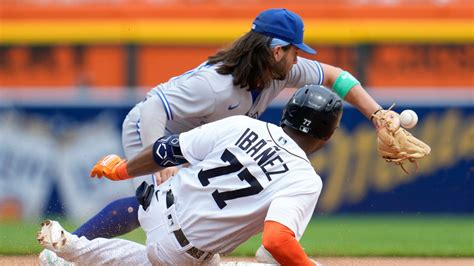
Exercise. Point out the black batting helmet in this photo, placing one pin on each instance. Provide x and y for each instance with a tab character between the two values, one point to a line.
313	110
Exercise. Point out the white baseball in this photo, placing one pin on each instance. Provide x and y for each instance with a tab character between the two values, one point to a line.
408	118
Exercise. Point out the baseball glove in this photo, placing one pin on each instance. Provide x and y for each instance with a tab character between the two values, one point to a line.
394	143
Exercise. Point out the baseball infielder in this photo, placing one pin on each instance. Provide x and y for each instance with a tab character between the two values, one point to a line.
245	176
241	80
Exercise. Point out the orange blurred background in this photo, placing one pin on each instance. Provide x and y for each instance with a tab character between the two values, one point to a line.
140	43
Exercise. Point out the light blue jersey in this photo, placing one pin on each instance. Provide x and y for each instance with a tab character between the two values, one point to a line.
201	96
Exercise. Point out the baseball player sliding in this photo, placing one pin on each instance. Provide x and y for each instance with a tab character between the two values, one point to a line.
242	79
245	176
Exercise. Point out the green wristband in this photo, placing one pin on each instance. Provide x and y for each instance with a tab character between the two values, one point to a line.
344	83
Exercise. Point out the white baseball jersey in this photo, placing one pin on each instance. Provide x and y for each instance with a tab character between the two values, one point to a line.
243	172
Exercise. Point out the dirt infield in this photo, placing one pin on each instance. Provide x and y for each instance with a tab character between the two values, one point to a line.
33	260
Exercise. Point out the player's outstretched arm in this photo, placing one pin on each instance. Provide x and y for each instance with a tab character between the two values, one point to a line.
112	167
280	241
165	152
350	90
115	168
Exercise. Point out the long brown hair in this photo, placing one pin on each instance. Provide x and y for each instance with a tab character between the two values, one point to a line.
249	59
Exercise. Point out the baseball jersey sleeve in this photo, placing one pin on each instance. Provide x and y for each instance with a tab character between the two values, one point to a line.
193	97
295	211
304	72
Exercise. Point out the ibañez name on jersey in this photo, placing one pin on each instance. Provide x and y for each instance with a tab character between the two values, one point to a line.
263	152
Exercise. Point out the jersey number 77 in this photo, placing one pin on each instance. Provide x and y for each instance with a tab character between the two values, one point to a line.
234	166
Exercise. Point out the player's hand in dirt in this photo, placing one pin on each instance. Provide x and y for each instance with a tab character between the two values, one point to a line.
109	167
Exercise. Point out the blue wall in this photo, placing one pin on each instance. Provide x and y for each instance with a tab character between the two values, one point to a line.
444	182
355	178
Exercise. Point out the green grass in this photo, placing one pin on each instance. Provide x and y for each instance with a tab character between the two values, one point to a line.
20	238
440	236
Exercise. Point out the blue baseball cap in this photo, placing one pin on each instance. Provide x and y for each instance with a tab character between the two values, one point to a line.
282	24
